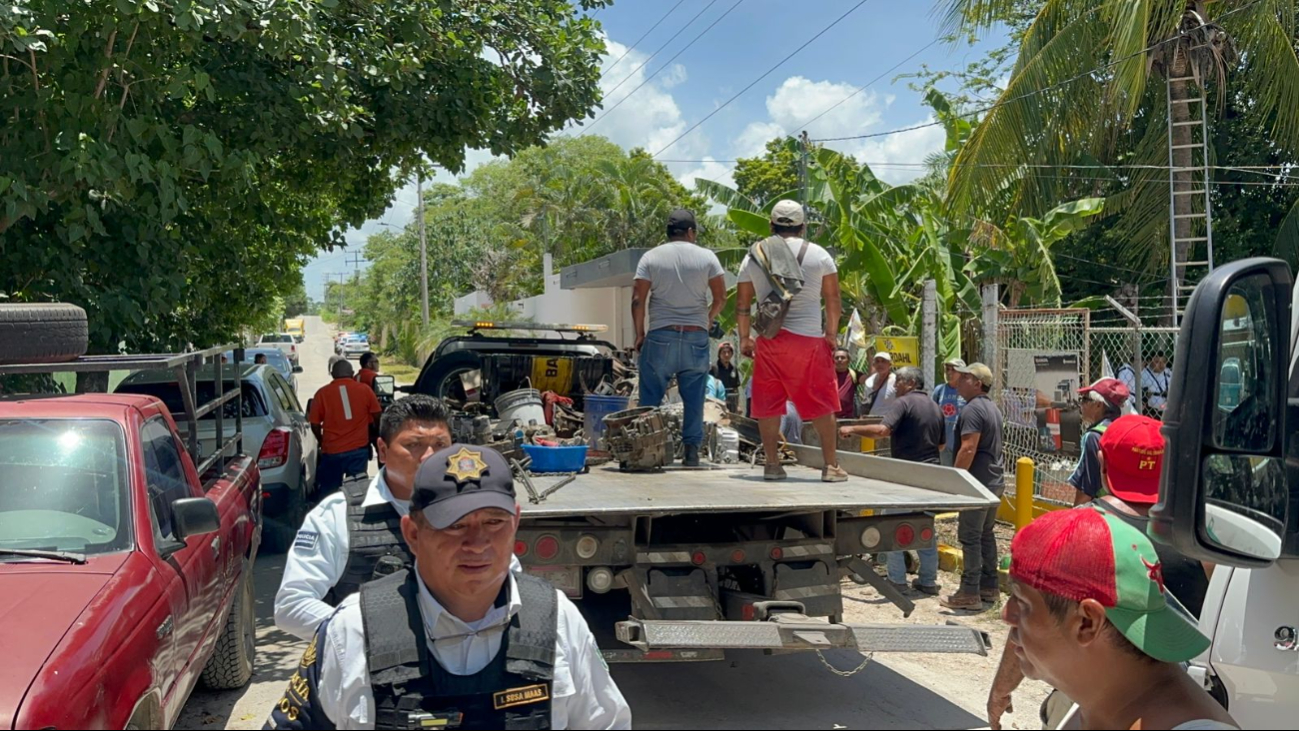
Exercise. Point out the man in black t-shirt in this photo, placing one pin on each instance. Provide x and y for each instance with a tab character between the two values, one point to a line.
916	427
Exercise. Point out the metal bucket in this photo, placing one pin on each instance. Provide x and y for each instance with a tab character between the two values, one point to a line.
523	405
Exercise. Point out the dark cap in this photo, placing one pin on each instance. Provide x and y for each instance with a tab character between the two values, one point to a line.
459	480
681	219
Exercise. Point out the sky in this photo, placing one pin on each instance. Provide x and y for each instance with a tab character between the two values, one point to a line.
666	96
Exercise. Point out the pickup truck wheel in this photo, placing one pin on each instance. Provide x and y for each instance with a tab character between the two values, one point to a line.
41	333
231	664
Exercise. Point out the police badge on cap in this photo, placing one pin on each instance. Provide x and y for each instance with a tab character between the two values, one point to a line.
459	480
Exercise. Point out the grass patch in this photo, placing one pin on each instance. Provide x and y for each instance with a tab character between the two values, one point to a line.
403	373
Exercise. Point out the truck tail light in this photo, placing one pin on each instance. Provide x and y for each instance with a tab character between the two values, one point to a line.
905	535
926	534
870	538
275	450
520	548
587	546
547	548
599	580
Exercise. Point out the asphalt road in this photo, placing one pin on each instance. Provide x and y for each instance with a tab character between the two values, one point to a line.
748	690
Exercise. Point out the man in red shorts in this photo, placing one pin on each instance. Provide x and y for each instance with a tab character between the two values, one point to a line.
798	363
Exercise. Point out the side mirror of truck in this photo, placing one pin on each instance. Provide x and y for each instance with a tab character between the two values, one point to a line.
1224	495
194	516
385	385
297	369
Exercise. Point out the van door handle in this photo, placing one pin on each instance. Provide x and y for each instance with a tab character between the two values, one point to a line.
216	546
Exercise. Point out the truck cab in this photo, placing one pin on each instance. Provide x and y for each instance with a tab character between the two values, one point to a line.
1230	490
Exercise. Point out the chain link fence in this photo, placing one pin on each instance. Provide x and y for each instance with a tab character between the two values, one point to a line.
1141	357
1042	357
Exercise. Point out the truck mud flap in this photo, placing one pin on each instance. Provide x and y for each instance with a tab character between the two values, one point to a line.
799	632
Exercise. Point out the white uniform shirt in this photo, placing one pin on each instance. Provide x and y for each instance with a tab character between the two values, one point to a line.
315	562
1157	384
584	695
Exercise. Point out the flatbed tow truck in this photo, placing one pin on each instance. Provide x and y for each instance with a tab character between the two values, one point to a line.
685	564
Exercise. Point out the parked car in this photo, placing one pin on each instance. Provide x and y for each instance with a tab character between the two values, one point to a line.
125	570
275	429
276	359
354	345
281	341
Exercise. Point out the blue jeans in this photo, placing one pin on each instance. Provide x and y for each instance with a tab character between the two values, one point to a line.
667	353
928	566
331	468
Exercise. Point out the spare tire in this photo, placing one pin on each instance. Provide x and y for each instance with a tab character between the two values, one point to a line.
41	333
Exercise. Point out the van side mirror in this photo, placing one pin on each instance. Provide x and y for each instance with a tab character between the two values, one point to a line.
1224	495
297	369
385	385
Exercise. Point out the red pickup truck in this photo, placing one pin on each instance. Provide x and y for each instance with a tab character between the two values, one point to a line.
125	577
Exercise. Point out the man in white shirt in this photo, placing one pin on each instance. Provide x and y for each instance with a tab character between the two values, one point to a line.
797	364
461	640
1156	378
881	386
354	535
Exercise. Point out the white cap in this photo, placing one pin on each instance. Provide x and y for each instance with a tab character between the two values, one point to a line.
787	213
886	355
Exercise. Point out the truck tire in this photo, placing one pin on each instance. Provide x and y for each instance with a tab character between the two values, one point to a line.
41	333
231	664
442	378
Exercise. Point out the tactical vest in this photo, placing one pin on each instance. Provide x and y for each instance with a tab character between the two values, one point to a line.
375	545
412	690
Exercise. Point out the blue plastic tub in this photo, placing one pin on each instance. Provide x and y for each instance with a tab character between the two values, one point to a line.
598	407
556	459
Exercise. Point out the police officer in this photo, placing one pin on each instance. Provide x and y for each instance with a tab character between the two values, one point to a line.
460	640
354	535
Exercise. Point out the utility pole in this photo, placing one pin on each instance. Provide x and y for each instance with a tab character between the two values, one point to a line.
929	332
355	261
802	172
423	249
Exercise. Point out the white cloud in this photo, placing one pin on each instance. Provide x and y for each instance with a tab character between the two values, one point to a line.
709	169
648	116
752	141
896	157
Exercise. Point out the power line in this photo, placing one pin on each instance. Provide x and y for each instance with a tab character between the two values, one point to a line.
931	44
768	72
609	111
1036	92
638	40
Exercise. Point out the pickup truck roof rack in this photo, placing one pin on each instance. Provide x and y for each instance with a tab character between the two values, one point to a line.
186	367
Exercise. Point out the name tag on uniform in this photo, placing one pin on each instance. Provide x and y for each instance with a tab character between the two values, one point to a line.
521	696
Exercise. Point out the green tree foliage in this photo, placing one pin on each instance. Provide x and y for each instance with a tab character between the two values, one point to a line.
1058	111
773	173
577	198
170	164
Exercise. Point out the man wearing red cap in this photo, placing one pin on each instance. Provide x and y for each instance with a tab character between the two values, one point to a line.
1102	403
1131	458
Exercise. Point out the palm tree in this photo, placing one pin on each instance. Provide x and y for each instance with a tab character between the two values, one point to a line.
1085	90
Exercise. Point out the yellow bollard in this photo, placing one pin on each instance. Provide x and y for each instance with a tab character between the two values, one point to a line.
1023	492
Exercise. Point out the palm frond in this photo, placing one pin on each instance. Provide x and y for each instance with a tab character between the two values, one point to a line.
1264	33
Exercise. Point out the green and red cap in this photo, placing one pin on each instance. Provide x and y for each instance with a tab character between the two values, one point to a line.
1087	553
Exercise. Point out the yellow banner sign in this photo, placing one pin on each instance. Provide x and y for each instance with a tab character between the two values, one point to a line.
904	349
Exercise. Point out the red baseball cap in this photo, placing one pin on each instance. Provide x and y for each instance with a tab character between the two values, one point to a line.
1111	389
1134	457
1088	553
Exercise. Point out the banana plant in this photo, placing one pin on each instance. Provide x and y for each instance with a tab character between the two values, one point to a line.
1020	254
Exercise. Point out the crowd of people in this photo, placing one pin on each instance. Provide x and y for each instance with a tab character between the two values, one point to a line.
420	616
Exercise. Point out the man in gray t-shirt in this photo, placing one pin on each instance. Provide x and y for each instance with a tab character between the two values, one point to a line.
978	430
677	278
